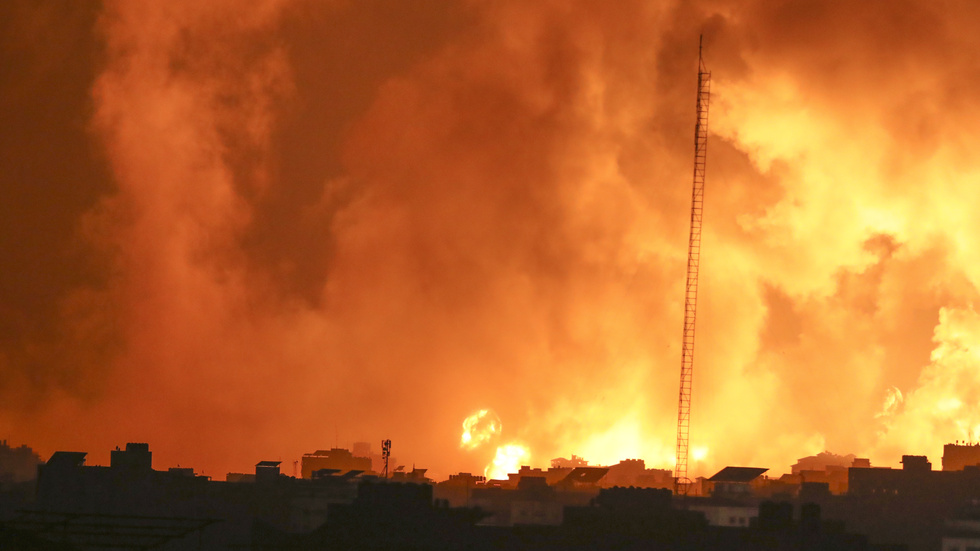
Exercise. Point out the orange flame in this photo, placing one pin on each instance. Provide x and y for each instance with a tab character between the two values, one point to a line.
479	429
508	459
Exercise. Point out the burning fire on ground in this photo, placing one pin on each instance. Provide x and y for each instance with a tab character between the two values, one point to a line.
483	429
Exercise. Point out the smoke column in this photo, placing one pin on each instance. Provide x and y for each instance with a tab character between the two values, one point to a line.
303	224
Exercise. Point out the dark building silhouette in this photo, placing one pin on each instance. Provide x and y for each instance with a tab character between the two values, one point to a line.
561	476
957	457
861	463
240	477
961	531
390	515
415	476
458	488
908	506
338	459
633	472
532	502
136	457
18	471
633	518
628	472
912	508
833	478
267	471
224	513
536	497
17	464
722	511
735	482
823	470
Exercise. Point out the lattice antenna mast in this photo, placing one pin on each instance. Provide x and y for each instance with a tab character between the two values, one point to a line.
681	481
385	454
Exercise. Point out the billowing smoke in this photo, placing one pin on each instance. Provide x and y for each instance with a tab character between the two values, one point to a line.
306	224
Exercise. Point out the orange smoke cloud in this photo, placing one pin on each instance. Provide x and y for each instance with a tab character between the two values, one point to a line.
327	224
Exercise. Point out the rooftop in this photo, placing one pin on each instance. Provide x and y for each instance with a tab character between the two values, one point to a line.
737	474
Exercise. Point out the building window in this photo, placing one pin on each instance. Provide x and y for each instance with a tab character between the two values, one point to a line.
731	520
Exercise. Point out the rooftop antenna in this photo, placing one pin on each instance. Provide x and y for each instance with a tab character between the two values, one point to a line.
681	482
385	454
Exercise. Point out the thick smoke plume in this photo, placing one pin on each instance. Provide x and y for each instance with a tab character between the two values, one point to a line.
306	224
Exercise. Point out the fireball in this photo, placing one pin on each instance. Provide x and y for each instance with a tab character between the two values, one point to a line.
479	429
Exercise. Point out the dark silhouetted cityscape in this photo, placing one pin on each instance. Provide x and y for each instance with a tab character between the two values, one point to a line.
340	500
261	261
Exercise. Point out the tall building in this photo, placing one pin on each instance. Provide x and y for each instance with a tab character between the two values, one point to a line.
958	456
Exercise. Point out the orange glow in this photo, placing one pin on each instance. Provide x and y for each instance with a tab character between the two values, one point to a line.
699	453
479	429
508	459
893	400
492	209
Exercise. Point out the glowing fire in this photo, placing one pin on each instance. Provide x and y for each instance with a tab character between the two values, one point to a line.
479	429
840	249
509	458
699	453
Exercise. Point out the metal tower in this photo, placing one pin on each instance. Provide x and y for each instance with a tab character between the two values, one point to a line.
385	454
681	481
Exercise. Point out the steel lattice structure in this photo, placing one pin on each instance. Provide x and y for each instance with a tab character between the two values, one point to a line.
691	284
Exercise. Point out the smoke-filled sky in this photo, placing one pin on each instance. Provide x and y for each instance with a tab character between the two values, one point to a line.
248	230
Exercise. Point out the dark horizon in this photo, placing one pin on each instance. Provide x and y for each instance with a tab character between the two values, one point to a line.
340	502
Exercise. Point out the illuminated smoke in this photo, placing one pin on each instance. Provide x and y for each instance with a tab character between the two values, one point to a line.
479	429
941	408
893	401
373	228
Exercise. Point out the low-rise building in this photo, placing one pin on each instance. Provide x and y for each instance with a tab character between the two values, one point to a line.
735	482
957	457
339	459
725	512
